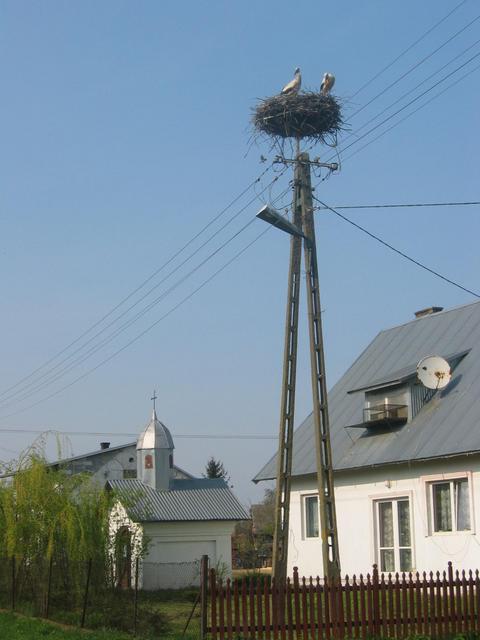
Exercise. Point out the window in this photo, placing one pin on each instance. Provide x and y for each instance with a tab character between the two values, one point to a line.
387	407
450	505
311	516
129	473
393	534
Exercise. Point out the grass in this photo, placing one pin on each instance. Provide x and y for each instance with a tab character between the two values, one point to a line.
16	627
160	614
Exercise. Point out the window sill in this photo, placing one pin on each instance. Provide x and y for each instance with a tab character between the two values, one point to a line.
446	534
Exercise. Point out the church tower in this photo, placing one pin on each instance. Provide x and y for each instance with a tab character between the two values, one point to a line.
155	455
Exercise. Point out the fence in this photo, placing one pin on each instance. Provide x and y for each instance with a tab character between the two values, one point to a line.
437	605
93	594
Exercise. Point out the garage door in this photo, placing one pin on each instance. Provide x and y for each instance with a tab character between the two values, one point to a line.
175	565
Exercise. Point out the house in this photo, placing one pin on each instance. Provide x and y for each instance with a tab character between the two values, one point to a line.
180	518
406	458
109	463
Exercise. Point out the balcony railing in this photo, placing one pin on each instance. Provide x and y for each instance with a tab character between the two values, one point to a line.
385	414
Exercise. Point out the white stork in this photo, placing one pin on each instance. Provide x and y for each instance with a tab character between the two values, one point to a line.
294	85
327	83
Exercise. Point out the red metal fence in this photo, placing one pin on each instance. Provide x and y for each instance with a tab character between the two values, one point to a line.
438	605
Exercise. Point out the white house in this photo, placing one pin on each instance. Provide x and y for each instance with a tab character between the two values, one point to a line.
406	459
179	518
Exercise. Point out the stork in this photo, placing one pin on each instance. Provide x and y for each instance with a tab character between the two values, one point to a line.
294	85
327	83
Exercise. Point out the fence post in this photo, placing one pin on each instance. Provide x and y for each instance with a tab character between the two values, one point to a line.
135	599
203	596
376	601
49	587
13	583
85	598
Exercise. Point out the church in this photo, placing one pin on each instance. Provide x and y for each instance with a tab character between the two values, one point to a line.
163	514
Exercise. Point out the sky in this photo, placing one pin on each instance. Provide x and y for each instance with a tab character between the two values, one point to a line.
126	129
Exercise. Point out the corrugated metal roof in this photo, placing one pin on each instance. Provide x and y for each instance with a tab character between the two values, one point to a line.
447	425
187	500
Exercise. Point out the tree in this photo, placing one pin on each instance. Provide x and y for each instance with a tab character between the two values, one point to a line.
215	469
252	540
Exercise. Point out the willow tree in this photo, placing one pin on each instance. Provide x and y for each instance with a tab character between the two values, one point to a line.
48	517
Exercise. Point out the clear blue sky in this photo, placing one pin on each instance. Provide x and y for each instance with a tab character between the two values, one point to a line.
125	128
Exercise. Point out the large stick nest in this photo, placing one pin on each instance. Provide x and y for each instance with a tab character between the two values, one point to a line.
303	115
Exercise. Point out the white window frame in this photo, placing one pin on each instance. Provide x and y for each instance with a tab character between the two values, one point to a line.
304	499
443	478
393	497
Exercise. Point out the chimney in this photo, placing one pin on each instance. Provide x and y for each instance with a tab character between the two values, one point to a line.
427	312
104	445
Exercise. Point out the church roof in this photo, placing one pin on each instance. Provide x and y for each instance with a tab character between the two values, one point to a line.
155	436
196	499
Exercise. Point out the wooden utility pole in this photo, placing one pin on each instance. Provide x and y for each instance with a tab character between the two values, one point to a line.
326	497
287	407
303	219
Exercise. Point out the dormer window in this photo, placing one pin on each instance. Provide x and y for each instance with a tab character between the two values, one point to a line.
386	407
396	398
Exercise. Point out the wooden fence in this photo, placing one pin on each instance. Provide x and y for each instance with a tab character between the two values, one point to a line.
393	606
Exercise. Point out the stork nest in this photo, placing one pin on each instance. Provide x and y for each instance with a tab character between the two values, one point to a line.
303	115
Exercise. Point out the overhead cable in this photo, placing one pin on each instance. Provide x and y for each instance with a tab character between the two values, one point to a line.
146	330
403	205
397	251
409	48
141	285
415	66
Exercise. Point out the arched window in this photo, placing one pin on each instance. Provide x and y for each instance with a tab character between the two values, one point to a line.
123	558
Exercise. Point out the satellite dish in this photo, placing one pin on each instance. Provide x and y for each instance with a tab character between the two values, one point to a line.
434	372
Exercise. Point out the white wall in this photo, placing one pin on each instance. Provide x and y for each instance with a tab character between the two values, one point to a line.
175	549
355	493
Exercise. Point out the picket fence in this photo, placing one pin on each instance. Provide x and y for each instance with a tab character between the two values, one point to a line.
377	605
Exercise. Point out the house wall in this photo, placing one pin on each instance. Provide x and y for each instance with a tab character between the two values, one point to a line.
355	495
174	549
110	464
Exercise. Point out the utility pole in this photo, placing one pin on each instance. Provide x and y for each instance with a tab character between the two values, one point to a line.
303	227
326	497
287	407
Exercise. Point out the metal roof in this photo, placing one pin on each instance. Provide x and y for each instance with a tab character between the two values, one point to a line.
155	436
188	500
447	425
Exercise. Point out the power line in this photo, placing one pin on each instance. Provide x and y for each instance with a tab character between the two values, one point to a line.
95	348
404	95
424	104
395	250
142	284
446	77
398	122
252	184
409	48
403	205
206	226
147	330
340	150
415	66
409	71
198	436
35	386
